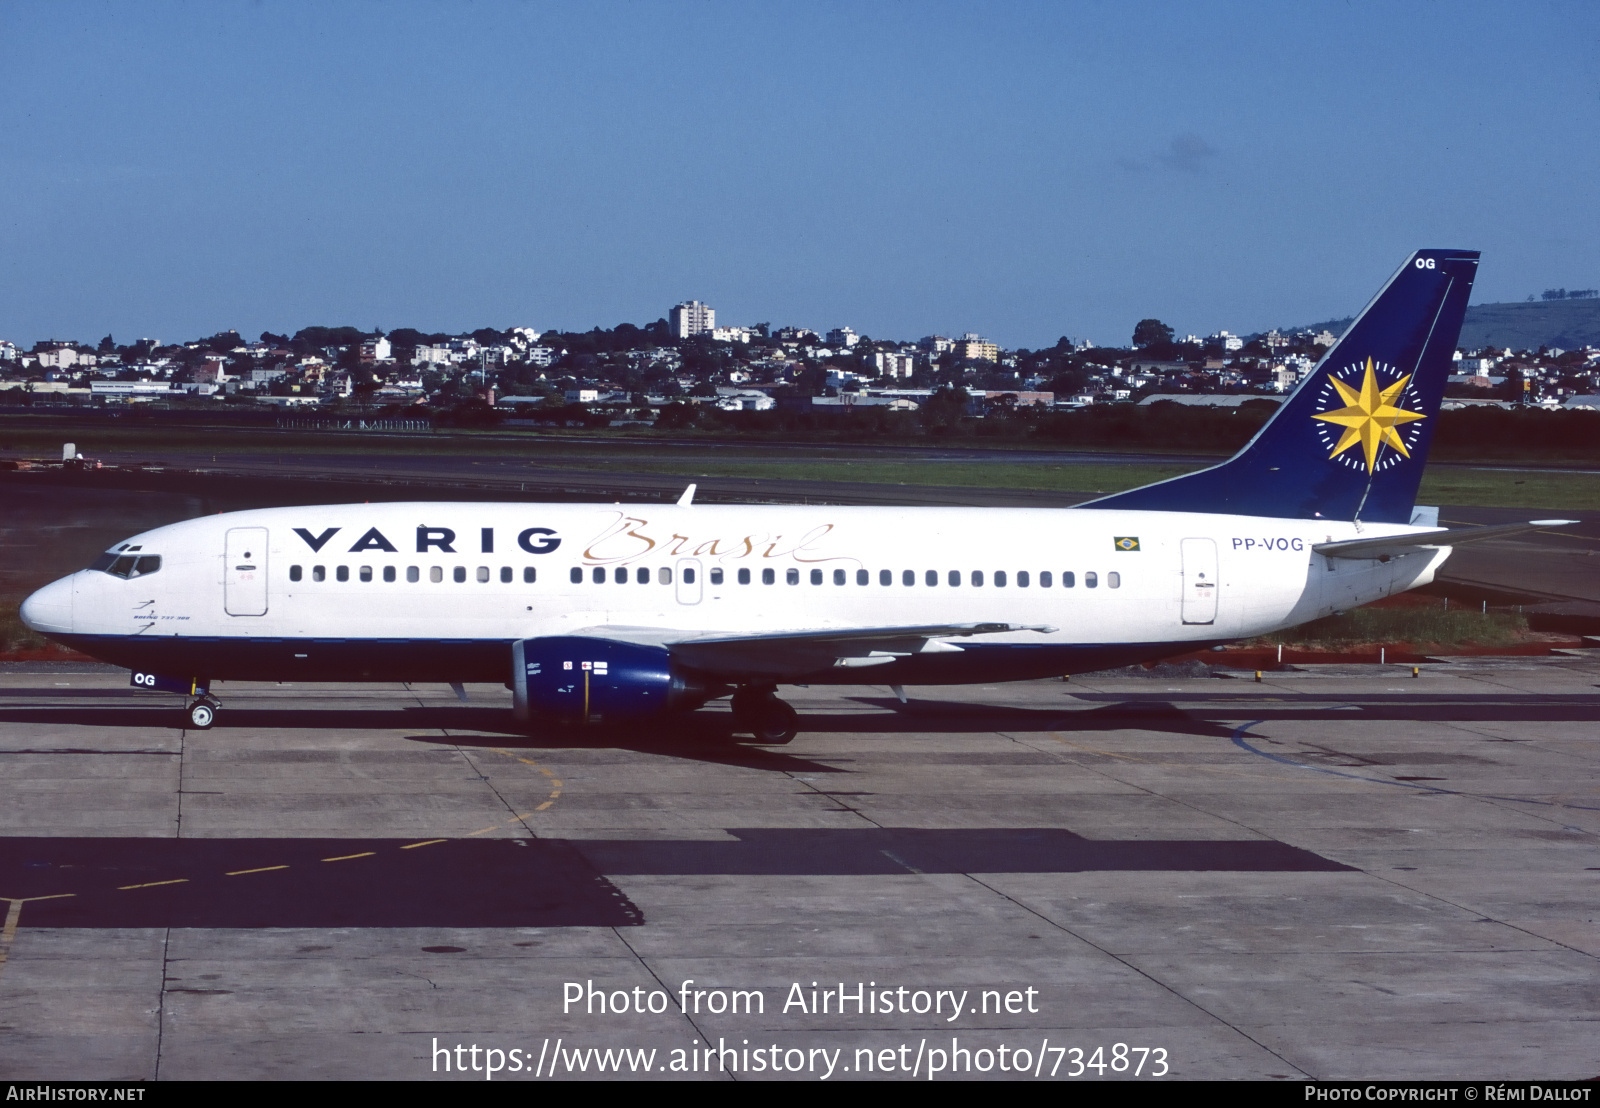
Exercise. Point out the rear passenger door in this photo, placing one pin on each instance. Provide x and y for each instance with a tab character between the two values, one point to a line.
1199	580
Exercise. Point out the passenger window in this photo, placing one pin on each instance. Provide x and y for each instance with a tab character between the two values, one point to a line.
664	576
908	578
1022	579
577	575
1046	579
955	578
294	573
598	576
768	577
341	573
816	577
436	574
620	575
999	578
483	574
931	578
886	577
1067	579
977	578
388	573
716	576
460	574
642	575
529	575
792	576
1113	580
744	577
688	576
413	575
505	575
318	573
1090	580
365	573
863	577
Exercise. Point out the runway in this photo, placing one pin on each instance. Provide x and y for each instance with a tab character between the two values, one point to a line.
1342	872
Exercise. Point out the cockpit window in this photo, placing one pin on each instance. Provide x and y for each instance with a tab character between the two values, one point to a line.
127	565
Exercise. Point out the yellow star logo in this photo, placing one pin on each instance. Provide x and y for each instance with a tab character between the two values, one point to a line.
1369	416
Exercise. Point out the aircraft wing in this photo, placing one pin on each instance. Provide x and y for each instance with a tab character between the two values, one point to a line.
1393	546
780	655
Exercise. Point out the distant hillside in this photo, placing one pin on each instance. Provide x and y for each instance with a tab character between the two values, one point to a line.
1563	323
1527	326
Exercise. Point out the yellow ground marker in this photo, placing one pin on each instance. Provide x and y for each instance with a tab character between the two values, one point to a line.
556	785
8	933
13	917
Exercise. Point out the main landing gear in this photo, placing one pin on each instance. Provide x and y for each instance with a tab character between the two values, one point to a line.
202	713
768	719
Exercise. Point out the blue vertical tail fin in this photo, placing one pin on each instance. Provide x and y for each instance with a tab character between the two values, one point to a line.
1350	442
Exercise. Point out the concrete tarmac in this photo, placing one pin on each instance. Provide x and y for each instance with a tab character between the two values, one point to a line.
1341	872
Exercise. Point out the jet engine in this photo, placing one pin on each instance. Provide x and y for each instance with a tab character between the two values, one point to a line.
578	679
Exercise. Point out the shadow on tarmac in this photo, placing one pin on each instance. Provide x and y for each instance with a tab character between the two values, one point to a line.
710	736
138	882
247	883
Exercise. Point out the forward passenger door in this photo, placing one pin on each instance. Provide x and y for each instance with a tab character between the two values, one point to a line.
244	572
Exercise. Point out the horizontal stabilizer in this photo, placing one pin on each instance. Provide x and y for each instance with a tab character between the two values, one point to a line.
1392	546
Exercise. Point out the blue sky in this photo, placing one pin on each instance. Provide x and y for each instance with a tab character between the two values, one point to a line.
1023	170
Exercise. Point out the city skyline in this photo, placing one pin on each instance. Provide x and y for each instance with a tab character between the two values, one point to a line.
1023	172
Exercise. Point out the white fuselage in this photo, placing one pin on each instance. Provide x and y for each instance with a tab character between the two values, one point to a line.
499	572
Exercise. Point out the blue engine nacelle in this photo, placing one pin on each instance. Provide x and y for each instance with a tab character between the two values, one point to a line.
577	679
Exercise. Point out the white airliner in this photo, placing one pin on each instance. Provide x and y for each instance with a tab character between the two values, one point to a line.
605	613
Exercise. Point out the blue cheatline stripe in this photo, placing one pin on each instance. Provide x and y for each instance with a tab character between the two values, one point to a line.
1238	740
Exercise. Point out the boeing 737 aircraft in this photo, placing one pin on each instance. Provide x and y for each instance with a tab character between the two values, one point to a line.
611	613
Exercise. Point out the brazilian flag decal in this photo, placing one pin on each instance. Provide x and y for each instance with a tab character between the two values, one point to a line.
1126	542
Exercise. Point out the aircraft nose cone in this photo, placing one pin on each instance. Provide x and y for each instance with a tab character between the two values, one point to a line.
50	609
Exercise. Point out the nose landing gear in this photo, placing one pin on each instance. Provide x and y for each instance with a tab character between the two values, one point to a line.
201	713
768	719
